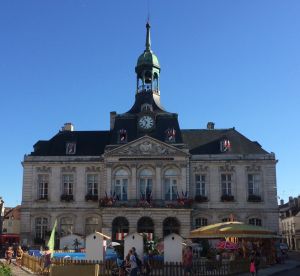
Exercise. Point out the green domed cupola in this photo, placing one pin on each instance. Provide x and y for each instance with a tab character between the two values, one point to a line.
147	68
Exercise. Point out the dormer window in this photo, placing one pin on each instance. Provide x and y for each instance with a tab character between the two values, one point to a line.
146	108
122	136
225	145
71	148
170	135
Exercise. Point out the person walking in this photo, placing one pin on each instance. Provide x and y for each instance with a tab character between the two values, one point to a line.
133	264
188	261
252	267
19	256
9	254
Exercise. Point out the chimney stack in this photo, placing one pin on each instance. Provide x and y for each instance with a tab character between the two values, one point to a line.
210	125
113	115
281	201
68	127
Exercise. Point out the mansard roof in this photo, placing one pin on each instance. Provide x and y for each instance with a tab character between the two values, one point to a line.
207	141
198	141
88	143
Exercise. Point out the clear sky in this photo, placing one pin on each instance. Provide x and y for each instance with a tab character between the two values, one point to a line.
233	62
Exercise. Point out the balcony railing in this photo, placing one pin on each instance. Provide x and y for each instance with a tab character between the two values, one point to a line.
146	204
227	198
67	198
254	198
90	197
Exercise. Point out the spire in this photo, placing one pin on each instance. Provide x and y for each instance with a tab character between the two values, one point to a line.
148	40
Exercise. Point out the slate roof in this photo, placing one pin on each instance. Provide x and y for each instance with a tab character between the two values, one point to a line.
206	141
198	141
88	143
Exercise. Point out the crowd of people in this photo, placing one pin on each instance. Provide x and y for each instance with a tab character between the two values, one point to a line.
10	253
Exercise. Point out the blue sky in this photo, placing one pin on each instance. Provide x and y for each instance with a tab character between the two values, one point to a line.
235	63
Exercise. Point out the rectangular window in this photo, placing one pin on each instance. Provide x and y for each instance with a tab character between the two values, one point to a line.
170	188
200	184
226	183
199	222
253	184
43	180
68	181
92	184
121	188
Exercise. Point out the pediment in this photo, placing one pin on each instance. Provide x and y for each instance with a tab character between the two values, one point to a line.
146	146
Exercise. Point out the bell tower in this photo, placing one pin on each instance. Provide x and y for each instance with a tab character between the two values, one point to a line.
147	69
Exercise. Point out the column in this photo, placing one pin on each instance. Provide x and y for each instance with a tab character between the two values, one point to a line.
132	188
108	179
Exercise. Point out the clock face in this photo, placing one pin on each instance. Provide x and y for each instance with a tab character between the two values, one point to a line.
146	122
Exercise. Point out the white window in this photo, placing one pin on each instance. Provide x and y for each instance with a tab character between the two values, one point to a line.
199	222
200	181
66	226
255	221
41	227
170	184
91	225
43	180
68	181
121	184
254	181
146	178
92	184
226	183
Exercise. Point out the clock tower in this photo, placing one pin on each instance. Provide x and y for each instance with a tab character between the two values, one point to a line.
146	116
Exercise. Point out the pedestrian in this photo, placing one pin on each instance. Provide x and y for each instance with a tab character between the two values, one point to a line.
9	254
252	266
19	256
257	261
188	261
133	264
46	259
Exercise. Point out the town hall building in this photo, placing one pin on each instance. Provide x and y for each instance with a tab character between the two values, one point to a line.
145	174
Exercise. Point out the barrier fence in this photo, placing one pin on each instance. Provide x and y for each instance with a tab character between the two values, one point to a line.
158	268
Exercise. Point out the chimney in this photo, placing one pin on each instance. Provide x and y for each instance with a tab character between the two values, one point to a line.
210	125
281	201
113	115
68	127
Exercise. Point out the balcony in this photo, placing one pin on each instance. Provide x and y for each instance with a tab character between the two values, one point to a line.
227	198
133	203
90	197
66	198
200	199
254	198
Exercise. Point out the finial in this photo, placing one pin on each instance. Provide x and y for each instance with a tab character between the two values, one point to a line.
148	40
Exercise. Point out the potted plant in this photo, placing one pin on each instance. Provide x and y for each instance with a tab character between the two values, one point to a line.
227	198
200	198
254	198
66	197
90	197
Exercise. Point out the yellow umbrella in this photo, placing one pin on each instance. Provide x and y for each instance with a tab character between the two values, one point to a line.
232	229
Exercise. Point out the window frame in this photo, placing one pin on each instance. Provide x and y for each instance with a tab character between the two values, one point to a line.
68	185
41	227
227	183
94	182
43	186
202	184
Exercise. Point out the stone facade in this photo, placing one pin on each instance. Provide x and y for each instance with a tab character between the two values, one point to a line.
146	174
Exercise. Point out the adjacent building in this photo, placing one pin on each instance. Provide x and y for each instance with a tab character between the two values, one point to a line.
146	173
289	223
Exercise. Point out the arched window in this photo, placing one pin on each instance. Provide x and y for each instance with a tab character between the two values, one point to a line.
145	225
255	221
41	227
170	184
199	222
171	225
91	225
145	181
119	225
155	82
121	184
66	226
